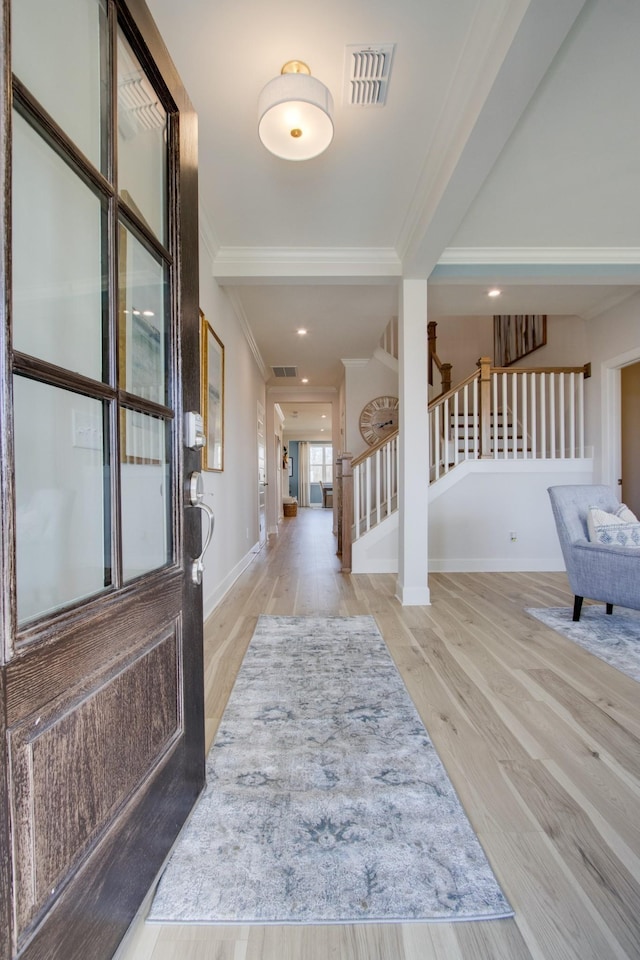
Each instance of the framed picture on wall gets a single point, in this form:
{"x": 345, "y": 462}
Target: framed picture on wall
{"x": 212, "y": 380}
{"x": 516, "y": 336}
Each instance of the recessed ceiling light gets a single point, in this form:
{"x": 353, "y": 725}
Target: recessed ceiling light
{"x": 323, "y": 417}
{"x": 148, "y": 313}
{"x": 494, "y": 293}
{"x": 301, "y": 332}
{"x": 305, "y": 380}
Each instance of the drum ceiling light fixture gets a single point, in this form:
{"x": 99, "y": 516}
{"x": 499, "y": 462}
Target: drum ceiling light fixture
{"x": 295, "y": 114}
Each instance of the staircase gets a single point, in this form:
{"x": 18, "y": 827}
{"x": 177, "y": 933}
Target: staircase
{"x": 499, "y": 414}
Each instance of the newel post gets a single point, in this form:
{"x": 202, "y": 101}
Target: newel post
{"x": 485, "y": 406}
{"x": 346, "y": 512}
{"x": 337, "y": 486}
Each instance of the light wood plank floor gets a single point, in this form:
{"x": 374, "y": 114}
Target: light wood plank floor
{"x": 541, "y": 740}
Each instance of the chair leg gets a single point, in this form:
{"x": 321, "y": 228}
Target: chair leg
{"x": 609, "y": 608}
{"x": 577, "y": 607}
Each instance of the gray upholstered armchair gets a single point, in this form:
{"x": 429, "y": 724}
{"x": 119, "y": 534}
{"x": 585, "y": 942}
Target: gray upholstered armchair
{"x": 610, "y": 574}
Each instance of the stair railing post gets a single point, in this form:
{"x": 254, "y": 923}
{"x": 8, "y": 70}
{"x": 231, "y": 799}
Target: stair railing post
{"x": 338, "y": 494}
{"x": 347, "y": 511}
{"x": 485, "y": 406}
{"x": 445, "y": 372}
{"x": 431, "y": 344}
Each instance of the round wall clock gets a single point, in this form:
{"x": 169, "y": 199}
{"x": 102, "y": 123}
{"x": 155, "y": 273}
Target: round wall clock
{"x": 379, "y": 418}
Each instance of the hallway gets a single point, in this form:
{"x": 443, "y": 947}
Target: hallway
{"x": 540, "y": 739}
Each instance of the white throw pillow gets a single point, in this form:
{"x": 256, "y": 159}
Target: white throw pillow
{"x": 627, "y": 516}
{"x": 611, "y": 530}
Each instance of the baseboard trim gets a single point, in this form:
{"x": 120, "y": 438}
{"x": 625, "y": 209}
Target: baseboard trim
{"x": 211, "y": 601}
{"x": 499, "y": 565}
{"x": 413, "y": 596}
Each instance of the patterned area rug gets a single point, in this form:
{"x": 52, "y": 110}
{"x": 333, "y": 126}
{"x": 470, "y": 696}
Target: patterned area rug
{"x": 325, "y": 801}
{"x": 614, "y": 638}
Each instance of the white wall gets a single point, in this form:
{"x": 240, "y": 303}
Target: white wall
{"x": 471, "y": 521}
{"x": 472, "y": 513}
{"x": 233, "y": 494}
{"x": 463, "y": 340}
{"x": 364, "y": 382}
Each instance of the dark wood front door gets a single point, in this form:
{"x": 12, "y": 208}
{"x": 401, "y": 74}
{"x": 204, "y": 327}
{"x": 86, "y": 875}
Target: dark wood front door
{"x": 101, "y": 745}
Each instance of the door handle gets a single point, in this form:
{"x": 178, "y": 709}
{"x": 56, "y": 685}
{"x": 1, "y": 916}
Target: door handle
{"x": 196, "y": 499}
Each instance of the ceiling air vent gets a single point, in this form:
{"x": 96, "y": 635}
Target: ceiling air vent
{"x": 285, "y": 371}
{"x": 366, "y": 74}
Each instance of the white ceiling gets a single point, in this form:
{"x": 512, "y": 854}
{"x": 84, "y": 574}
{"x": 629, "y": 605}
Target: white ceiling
{"x": 307, "y": 421}
{"x": 507, "y": 154}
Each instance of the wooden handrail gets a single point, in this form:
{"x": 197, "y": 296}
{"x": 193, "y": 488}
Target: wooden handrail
{"x": 540, "y": 369}
{"x": 377, "y": 446}
{"x": 451, "y": 393}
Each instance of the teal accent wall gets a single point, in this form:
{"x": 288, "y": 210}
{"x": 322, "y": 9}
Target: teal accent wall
{"x": 316, "y": 492}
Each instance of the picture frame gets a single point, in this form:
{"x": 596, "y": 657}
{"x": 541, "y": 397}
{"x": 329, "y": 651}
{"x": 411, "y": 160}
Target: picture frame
{"x": 212, "y": 400}
{"x": 515, "y": 336}
{"x": 290, "y": 467}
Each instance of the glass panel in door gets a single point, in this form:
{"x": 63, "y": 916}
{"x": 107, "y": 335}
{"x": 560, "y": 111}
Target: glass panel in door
{"x": 62, "y": 482}
{"x": 142, "y": 143}
{"x": 59, "y": 276}
{"x": 65, "y": 40}
{"x": 145, "y": 493}
{"x": 143, "y": 285}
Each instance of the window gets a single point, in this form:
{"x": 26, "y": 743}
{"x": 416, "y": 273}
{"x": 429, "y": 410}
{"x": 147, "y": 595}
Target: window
{"x": 320, "y": 463}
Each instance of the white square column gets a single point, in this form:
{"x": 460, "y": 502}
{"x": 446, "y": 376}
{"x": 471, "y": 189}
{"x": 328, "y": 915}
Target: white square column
{"x": 412, "y": 588}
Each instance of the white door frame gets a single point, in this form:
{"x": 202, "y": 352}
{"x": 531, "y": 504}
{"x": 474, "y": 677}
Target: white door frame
{"x": 262, "y": 475}
{"x": 611, "y": 431}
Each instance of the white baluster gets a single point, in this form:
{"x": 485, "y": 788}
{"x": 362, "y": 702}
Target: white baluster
{"x": 494, "y": 418}
{"x": 525, "y": 418}
{"x": 552, "y": 416}
{"x": 581, "y": 414}
{"x": 505, "y": 417}
{"x": 534, "y": 438}
{"x": 562, "y": 404}
{"x": 476, "y": 421}
{"x": 572, "y": 415}
{"x": 446, "y": 426}
{"x": 514, "y": 415}
{"x": 378, "y": 469}
{"x": 367, "y": 494}
{"x": 467, "y": 425}
{"x": 456, "y": 426}
{"x": 544, "y": 387}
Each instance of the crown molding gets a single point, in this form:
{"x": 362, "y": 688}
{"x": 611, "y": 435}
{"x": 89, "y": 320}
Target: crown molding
{"x": 561, "y": 256}
{"x": 264, "y": 264}
{"x": 239, "y": 311}
{"x": 354, "y": 363}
